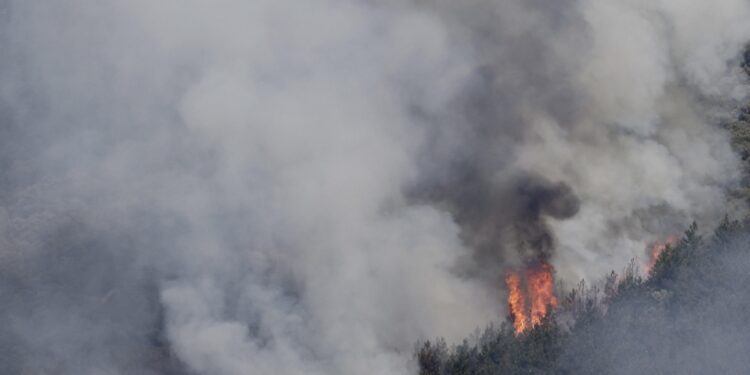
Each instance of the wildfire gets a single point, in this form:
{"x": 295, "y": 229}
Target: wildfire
{"x": 540, "y": 286}
{"x": 539, "y": 292}
{"x": 516, "y": 302}
{"x": 657, "y": 249}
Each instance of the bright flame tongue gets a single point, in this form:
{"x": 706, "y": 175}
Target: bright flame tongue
{"x": 539, "y": 291}
{"x": 516, "y": 302}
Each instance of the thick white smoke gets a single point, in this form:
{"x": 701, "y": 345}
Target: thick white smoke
{"x": 241, "y": 184}
{"x": 648, "y": 156}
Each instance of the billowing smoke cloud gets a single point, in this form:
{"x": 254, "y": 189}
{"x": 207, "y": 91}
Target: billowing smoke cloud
{"x": 616, "y": 101}
{"x": 235, "y": 187}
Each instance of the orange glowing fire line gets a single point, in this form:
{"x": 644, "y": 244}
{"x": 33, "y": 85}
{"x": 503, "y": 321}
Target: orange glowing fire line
{"x": 539, "y": 291}
{"x": 516, "y": 302}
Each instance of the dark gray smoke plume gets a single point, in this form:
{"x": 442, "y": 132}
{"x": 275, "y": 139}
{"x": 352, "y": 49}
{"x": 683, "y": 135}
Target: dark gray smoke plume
{"x": 308, "y": 187}
{"x": 504, "y": 221}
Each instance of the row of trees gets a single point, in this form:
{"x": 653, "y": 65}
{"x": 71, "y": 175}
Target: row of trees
{"x": 690, "y": 314}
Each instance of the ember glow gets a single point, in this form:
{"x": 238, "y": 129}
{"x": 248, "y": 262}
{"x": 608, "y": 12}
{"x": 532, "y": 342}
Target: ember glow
{"x": 656, "y": 249}
{"x": 539, "y": 291}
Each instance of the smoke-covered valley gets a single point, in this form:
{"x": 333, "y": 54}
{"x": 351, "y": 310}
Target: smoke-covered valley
{"x": 310, "y": 187}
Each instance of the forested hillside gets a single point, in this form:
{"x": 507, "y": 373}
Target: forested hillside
{"x": 318, "y": 187}
{"x": 688, "y": 314}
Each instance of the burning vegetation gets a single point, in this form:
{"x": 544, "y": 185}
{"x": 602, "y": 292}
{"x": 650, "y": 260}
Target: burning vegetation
{"x": 516, "y": 302}
{"x": 537, "y": 287}
{"x": 630, "y": 324}
{"x": 531, "y": 294}
{"x": 655, "y": 250}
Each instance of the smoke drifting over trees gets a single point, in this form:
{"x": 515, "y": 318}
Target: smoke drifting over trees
{"x": 309, "y": 187}
{"x": 688, "y": 316}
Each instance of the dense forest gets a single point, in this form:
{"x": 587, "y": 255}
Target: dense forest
{"x": 688, "y": 314}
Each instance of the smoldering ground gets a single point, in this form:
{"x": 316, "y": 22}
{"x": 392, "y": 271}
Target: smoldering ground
{"x": 288, "y": 187}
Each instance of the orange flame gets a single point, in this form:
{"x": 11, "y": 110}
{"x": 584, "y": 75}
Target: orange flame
{"x": 516, "y": 302}
{"x": 656, "y": 250}
{"x": 539, "y": 291}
